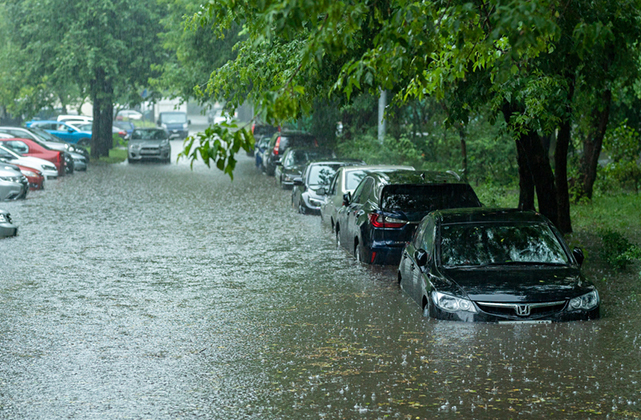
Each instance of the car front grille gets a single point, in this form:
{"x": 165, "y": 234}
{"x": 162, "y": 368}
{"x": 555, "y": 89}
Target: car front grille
{"x": 522, "y": 310}
{"x": 148, "y": 151}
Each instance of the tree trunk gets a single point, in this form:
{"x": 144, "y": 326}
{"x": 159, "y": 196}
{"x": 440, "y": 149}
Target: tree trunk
{"x": 542, "y": 174}
{"x": 102, "y": 97}
{"x": 592, "y": 145}
{"x": 561, "y": 177}
{"x": 526, "y": 181}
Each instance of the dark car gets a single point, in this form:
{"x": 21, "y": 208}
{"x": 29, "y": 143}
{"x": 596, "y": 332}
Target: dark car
{"x": 381, "y": 217}
{"x": 258, "y": 131}
{"x": 279, "y": 144}
{"x": 261, "y": 146}
{"x": 495, "y": 265}
{"x": 149, "y": 144}
{"x": 294, "y": 160}
{"x": 309, "y": 190}
{"x": 175, "y": 122}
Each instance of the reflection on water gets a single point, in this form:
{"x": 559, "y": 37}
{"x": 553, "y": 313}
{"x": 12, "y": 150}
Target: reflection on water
{"x": 150, "y": 291}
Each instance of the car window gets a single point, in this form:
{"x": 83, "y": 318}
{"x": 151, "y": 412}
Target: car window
{"x": 482, "y": 244}
{"x": 352, "y": 179}
{"x": 362, "y": 191}
{"x": 18, "y": 146}
{"x": 288, "y": 161}
{"x": 409, "y": 197}
{"x": 320, "y": 175}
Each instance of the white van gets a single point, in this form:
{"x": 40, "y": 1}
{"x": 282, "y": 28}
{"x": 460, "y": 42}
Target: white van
{"x": 82, "y": 118}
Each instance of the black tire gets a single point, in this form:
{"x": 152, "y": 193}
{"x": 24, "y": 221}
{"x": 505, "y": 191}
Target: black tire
{"x": 338, "y": 238}
{"x": 131, "y": 161}
{"x": 302, "y": 209}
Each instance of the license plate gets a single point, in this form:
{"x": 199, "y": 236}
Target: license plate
{"x": 526, "y": 322}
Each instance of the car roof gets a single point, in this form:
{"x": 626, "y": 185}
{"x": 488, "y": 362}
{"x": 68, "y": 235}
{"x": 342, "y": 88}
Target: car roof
{"x": 416, "y": 177}
{"x": 485, "y": 215}
{"x": 374, "y": 168}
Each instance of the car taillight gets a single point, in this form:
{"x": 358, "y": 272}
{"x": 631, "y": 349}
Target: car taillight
{"x": 276, "y": 146}
{"x": 253, "y": 127}
{"x": 379, "y": 221}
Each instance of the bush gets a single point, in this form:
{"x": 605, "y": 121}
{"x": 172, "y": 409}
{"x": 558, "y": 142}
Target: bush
{"x": 618, "y": 251}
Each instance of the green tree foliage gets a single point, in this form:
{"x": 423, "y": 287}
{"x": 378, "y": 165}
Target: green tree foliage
{"x": 104, "y": 48}
{"x": 541, "y": 65}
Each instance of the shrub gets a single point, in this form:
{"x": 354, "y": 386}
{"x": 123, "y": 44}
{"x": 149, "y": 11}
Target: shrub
{"x": 618, "y": 251}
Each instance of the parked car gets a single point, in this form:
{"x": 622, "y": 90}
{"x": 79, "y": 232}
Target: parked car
{"x": 495, "y": 265}
{"x": 149, "y": 144}
{"x": 47, "y": 168}
{"x": 7, "y": 227}
{"x": 66, "y": 118}
{"x": 294, "y": 160}
{"x": 27, "y": 147}
{"x": 345, "y": 182}
{"x": 386, "y": 207}
{"x": 175, "y": 122}
{"x": 34, "y": 176}
{"x": 46, "y": 138}
{"x": 13, "y": 185}
{"x": 88, "y": 127}
{"x": 73, "y": 161}
{"x": 259, "y": 130}
{"x": 129, "y": 114}
{"x": 64, "y": 131}
{"x": 279, "y": 144}
{"x": 126, "y": 126}
{"x": 261, "y": 147}
{"x": 308, "y": 193}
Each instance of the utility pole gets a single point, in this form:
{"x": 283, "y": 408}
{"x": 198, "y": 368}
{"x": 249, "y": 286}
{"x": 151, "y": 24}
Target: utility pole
{"x": 382, "y": 103}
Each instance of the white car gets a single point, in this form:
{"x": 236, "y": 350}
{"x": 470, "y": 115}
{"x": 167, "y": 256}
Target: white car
{"x": 47, "y": 168}
{"x": 129, "y": 113}
{"x": 83, "y": 118}
{"x": 345, "y": 181}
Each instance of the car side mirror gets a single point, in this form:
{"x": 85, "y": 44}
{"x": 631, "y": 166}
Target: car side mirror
{"x": 69, "y": 130}
{"x": 578, "y": 255}
{"x": 321, "y": 191}
{"x": 421, "y": 256}
{"x": 347, "y": 198}
{"x": 298, "y": 182}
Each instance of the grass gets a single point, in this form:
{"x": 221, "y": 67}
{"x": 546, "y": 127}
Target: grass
{"x": 116, "y": 155}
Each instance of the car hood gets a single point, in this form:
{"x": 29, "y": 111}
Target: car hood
{"x": 519, "y": 284}
{"x": 32, "y": 162}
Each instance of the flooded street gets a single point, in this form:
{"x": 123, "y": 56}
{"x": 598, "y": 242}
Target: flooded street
{"x": 156, "y": 292}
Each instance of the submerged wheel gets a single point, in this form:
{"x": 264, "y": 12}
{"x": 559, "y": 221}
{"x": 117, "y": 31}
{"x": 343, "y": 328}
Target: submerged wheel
{"x": 427, "y": 306}
{"x": 358, "y": 253}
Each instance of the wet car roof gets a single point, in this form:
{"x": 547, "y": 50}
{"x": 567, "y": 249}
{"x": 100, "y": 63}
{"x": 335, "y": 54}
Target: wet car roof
{"x": 483, "y": 214}
{"x": 416, "y": 177}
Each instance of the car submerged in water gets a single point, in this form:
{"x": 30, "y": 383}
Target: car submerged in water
{"x": 495, "y": 265}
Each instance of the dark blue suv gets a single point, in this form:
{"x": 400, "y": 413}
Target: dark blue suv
{"x": 381, "y": 216}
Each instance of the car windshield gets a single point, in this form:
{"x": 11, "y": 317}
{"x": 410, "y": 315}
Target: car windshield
{"x": 45, "y": 135}
{"x": 148, "y": 135}
{"x": 84, "y": 126}
{"x": 321, "y": 175}
{"x": 409, "y": 197}
{"x": 173, "y": 117}
{"x": 468, "y": 244}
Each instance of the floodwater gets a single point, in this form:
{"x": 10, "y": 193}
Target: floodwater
{"x": 156, "y": 292}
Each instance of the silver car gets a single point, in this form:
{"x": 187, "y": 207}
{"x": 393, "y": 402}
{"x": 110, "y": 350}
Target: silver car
{"x": 13, "y": 185}
{"x": 149, "y": 144}
{"x": 7, "y": 228}
{"x": 345, "y": 181}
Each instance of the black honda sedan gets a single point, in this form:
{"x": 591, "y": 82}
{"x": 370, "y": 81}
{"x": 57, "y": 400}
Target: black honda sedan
{"x": 381, "y": 217}
{"x": 495, "y": 265}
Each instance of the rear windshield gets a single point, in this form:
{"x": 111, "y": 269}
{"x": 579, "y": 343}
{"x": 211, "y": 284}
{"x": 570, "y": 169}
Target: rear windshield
{"x": 297, "y": 141}
{"x": 428, "y": 197}
{"x": 173, "y": 117}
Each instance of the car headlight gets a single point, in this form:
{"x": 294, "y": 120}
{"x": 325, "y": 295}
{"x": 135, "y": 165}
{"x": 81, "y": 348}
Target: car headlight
{"x": 48, "y": 168}
{"x": 163, "y": 125}
{"x": 29, "y": 173}
{"x": 6, "y": 178}
{"x": 314, "y": 202}
{"x": 3, "y": 219}
{"x": 451, "y": 303}
{"x": 134, "y": 146}
{"x": 185, "y": 125}
{"x": 586, "y": 302}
